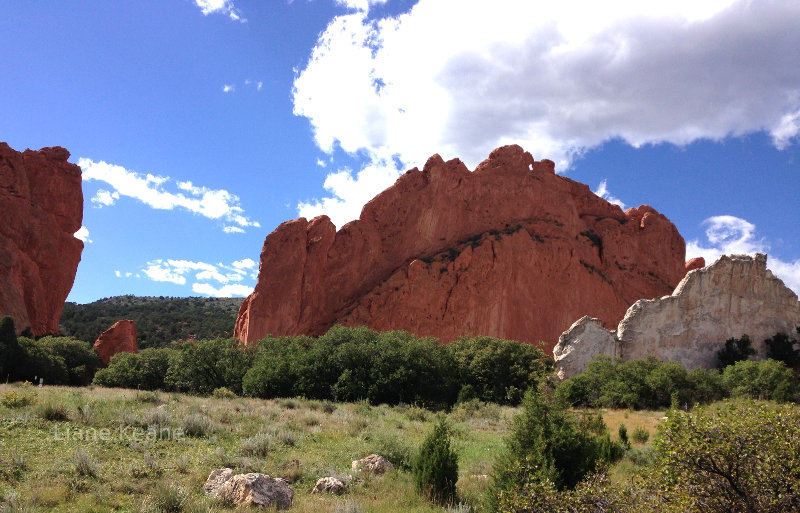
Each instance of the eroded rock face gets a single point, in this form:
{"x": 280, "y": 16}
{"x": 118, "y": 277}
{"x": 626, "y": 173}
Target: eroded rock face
{"x": 41, "y": 207}
{"x": 511, "y": 250}
{"x": 736, "y": 295}
{"x": 119, "y": 338}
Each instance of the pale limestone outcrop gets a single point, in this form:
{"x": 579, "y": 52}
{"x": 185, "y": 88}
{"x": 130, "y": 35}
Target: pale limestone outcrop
{"x": 736, "y": 295}
{"x": 586, "y": 338}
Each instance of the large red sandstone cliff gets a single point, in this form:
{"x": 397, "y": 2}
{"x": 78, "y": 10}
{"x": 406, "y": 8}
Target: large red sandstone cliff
{"x": 510, "y": 250}
{"x": 41, "y": 207}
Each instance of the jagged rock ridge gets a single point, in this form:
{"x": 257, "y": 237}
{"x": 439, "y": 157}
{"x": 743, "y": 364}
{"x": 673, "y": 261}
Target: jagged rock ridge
{"x": 510, "y": 250}
{"x": 736, "y": 295}
{"x": 41, "y": 207}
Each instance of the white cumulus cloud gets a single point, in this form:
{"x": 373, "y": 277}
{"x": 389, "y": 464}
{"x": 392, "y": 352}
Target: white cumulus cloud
{"x": 83, "y": 234}
{"x": 731, "y": 235}
{"x": 225, "y": 7}
{"x": 360, "y": 5}
{"x": 603, "y": 192}
{"x": 225, "y": 291}
{"x": 218, "y": 280}
{"x": 217, "y": 204}
{"x": 350, "y": 192}
{"x": 461, "y": 77}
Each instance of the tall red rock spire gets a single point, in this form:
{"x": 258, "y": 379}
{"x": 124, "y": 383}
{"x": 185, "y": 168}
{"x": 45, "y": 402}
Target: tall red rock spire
{"x": 41, "y": 207}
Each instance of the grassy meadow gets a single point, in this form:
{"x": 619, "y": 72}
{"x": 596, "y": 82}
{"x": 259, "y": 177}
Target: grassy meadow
{"x": 98, "y": 449}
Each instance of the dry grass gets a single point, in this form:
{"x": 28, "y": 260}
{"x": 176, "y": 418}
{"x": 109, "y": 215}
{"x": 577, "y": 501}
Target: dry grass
{"x": 123, "y": 474}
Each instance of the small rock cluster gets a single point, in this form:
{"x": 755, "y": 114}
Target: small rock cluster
{"x": 261, "y": 490}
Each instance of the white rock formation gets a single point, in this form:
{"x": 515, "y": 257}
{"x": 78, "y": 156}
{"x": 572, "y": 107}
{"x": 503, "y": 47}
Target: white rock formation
{"x": 252, "y": 489}
{"x": 373, "y": 464}
{"x": 736, "y": 295}
{"x": 331, "y": 485}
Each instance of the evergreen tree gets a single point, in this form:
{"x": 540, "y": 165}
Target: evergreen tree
{"x": 436, "y": 465}
{"x": 11, "y": 354}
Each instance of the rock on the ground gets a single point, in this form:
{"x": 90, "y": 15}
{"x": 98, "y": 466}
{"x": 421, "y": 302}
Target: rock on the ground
{"x": 119, "y": 338}
{"x": 216, "y": 479}
{"x": 511, "y": 250}
{"x": 251, "y": 489}
{"x": 373, "y": 464}
{"x": 41, "y": 208}
{"x": 734, "y": 296}
{"x": 329, "y": 484}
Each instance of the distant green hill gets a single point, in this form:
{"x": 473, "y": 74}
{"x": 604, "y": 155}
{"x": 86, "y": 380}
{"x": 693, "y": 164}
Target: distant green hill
{"x": 159, "y": 320}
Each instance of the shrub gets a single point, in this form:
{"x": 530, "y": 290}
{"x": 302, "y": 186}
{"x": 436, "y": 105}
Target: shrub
{"x": 733, "y": 456}
{"x": 622, "y": 432}
{"x": 735, "y": 350}
{"x": 168, "y": 498}
{"x": 640, "y": 435}
{"x": 258, "y": 445}
{"x": 545, "y": 444}
{"x": 12, "y": 399}
{"x": 196, "y": 425}
{"x": 84, "y": 466}
{"x": 223, "y": 393}
{"x": 435, "y": 468}
{"x": 54, "y": 412}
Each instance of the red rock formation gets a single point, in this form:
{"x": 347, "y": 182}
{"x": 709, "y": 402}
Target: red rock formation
{"x": 510, "y": 250}
{"x": 119, "y": 338}
{"x": 41, "y": 207}
{"x": 695, "y": 263}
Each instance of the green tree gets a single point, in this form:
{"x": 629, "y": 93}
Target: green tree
{"x": 735, "y": 350}
{"x": 767, "y": 379}
{"x": 144, "y": 370}
{"x": 435, "y": 468}
{"x": 496, "y": 370}
{"x": 780, "y": 347}
{"x": 545, "y": 444}
{"x": 11, "y": 354}
{"x": 202, "y": 366}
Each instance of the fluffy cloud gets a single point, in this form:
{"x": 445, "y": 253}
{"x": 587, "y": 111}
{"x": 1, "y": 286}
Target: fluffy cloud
{"x": 224, "y": 291}
{"x": 219, "y": 6}
{"x": 350, "y": 193}
{"x": 218, "y": 280}
{"x": 150, "y": 190}
{"x": 83, "y": 234}
{"x": 730, "y": 235}
{"x": 228, "y": 88}
{"x": 603, "y": 192}
{"x": 537, "y": 74}
{"x": 360, "y": 5}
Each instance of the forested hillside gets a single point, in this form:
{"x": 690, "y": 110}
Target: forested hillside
{"x": 159, "y": 320}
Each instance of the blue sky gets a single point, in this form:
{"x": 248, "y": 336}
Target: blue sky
{"x": 201, "y": 125}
